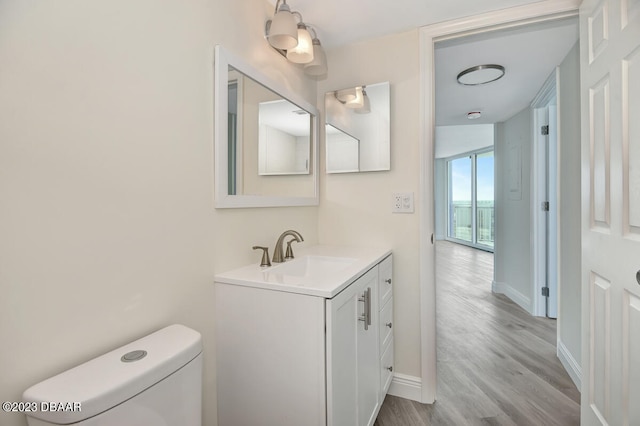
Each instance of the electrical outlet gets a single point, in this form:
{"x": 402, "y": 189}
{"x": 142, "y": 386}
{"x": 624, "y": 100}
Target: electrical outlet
{"x": 402, "y": 202}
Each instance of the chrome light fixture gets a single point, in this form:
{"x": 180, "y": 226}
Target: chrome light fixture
{"x": 293, "y": 40}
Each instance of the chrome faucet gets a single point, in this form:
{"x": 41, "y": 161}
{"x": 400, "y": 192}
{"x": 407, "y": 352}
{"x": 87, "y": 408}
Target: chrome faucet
{"x": 277, "y": 253}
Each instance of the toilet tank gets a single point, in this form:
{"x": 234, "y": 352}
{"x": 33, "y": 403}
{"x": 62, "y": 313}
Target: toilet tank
{"x": 154, "y": 381}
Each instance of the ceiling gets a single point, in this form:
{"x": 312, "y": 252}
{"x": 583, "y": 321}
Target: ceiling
{"x": 341, "y": 22}
{"x": 529, "y": 55}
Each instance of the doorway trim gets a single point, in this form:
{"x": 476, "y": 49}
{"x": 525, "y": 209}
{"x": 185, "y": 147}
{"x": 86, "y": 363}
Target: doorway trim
{"x": 544, "y": 252}
{"x": 536, "y": 12}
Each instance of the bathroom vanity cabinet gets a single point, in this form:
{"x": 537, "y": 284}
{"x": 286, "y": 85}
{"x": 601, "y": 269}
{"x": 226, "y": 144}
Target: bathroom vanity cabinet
{"x": 301, "y": 351}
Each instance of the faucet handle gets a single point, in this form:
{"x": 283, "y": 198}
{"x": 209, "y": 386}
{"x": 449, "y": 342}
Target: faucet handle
{"x": 289, "y": 253}
{"x": 265, "y": 255}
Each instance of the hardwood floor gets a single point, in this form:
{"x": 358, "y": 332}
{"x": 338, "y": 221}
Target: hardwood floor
{"x": 497, "y": 365}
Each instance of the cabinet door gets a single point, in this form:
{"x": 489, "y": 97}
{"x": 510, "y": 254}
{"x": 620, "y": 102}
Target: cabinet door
{"x": 369, "y": 356}
{"x": 270, "y": 356}
{"x": 353, "y": 377}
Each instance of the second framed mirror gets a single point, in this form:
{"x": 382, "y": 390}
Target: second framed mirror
{"x": 358, "y": 129}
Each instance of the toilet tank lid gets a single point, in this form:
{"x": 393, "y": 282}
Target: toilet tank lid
{"x": 107, "y": 380}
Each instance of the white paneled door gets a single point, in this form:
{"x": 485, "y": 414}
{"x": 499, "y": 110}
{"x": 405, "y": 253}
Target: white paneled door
{"x": 610, "y": 80}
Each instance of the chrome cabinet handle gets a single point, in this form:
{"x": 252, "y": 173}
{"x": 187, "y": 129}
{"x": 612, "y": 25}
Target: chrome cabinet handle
{"x": 369, "y": 305}
{"x": 388, "y": 281}
{"x": 366, "y": 316}
{"x": 390, "y": 325}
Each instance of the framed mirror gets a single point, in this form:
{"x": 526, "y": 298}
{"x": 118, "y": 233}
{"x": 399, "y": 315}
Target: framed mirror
{"x": 358, "y": 129}
{"x": 265, "y": 139}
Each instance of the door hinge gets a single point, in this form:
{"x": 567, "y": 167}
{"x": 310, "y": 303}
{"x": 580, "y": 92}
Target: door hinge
{"x": 545, "y": 291}
{"x": 544, "y": 130}
{"x": 545, "y": 206}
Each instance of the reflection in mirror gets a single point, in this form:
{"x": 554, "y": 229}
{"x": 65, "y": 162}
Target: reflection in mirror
{"x": 235, "y": 169}
{"x": 358, "y": 117}
{"x": 265, "y": 140}
{"x": 284, "y": 138}
{"x": 343, "y": 151}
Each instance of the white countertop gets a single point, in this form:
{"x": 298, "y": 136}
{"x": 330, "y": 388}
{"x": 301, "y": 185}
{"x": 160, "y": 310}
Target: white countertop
{"x": 325, "y": 283}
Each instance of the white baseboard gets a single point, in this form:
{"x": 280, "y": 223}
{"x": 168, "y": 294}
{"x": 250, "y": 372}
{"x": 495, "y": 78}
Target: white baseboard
{"x": 404, "y": 386}
{"x": 570, "y": 364}
{"x": 520, "y": 299}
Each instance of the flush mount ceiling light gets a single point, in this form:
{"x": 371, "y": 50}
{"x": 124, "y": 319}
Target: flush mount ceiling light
{"x": 293, "y": 40}
{"x": 480, "y": 74}
{"x": 473, "y": 115}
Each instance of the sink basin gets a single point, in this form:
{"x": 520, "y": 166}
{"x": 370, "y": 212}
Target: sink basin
{"x": 322, "y": 271}
{"x": 312, "y": 266}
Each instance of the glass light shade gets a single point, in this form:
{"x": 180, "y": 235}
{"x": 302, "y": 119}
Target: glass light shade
{"x": 283, "y": 32}
{"x": 319, "y": 64}
{"x": 345, "y": 95}
{"x": 358, "y": 102}
{"x": 303, "y": 52}
{"x": 366, "y": 104}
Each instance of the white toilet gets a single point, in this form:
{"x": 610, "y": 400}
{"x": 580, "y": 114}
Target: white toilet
{"x": 154, "y": 381}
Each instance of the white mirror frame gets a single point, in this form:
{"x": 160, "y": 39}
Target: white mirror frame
{"x": 224, "y": 59}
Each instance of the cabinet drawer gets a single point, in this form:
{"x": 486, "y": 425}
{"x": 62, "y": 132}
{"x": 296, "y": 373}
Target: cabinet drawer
{"x": 385, "y": 280}
{"x": 386, "y": 325}
{"x": 386, "y": 364}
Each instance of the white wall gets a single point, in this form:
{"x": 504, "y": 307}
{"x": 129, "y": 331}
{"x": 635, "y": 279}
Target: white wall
{"x": 106, "y": 211}
{"x": 356, "y": 208}
{"x": 569, "y": 331}
{"x": 277, "y": 153}
{"x": 512, "y": 269}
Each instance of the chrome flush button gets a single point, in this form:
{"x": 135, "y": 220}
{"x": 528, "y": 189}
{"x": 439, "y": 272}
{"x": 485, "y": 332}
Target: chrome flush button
{"x": 133, "y": 356}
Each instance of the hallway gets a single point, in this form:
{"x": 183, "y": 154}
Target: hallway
{"x": 497, "y": 365}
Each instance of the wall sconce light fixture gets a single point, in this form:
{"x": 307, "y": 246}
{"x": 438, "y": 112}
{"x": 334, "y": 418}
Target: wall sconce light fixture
{"x": 293, "y": 40}
{"x": 355, "y": 99}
